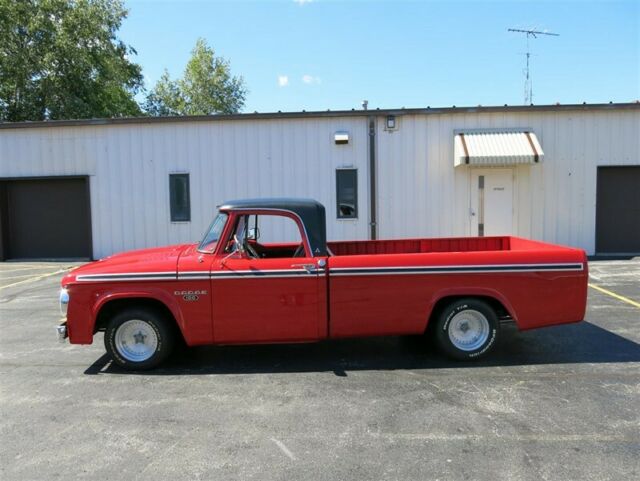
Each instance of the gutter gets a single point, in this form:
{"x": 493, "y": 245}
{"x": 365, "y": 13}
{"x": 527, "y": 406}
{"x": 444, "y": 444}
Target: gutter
{"x": 373, "y": 213}
{"x": 634, "y": 106}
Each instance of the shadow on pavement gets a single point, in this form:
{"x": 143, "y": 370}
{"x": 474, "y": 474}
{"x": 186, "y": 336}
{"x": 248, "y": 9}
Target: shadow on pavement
{"x": 575, "y": 343}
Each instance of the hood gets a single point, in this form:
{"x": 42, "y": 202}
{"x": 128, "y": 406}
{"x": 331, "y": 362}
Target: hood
{"x": 143, "y": 261}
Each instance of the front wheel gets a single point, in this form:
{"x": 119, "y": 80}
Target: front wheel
{"x": 139, "y": 338}
{"x": 467, "y": 329}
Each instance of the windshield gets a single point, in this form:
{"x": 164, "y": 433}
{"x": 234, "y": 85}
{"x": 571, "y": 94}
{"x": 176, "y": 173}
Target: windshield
{"x": 210, "y": 240}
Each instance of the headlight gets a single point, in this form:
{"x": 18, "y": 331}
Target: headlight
{"x": 64, "y": 301}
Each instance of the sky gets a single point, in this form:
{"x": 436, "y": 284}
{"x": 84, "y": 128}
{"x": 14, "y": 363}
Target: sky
{"x": 321, "y": 54}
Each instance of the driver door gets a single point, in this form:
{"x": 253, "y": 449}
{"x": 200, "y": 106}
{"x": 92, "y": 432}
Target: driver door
{"x": 275, "y": 291}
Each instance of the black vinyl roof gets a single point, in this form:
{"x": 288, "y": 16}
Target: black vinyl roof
{"x": 311, "y": 213}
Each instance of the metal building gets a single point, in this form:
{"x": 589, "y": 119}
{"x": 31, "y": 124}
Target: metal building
{"x": 568, "y": 174}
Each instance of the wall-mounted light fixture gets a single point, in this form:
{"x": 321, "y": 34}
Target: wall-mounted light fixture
{"x": 341, "y": 138}
{"x": 391, "y": 122}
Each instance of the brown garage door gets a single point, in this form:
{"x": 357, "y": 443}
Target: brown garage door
{"x": 46, "y": 218}
{"x": 618, "y": 210}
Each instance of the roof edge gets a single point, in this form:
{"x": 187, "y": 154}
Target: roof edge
{"x": 322, "y": 113}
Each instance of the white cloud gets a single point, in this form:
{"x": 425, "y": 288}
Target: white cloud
{"x": 302, "y": 2}
{"x": 310, "y": 79}
{"x": 283, "y": 80}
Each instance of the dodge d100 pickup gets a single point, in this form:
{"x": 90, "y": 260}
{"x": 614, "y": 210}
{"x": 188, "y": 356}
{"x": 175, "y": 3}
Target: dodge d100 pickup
{"x": 265, "y": 273}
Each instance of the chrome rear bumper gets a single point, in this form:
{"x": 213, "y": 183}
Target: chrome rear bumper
{"x": 62, "y": 331}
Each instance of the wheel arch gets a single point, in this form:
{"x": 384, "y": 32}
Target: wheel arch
{"x": 497, "y": 301}
{"x": 106, "y": 307}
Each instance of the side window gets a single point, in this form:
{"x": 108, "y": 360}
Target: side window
{"x": 347, "y": 193}
{"x": 270, "y": 236}
{"x": 179, "y": 197}
{"x": 277, "y": 229}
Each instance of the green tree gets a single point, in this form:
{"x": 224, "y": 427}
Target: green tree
{"x": 61, "y": 59}
{"x": 206, "y": 88}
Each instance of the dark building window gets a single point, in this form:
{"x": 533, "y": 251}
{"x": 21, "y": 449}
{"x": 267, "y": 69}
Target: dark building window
{"x": 347, "y": 193}
{"x": 179, "y": 197}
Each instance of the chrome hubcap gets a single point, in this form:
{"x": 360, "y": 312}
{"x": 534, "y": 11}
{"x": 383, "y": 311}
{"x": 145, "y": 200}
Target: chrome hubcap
{"x": 469, "y": 330}
{"x": 136, "y": 340}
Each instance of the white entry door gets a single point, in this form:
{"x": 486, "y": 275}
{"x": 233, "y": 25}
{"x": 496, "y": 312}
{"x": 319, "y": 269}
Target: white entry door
{"x": 491, "y": 209}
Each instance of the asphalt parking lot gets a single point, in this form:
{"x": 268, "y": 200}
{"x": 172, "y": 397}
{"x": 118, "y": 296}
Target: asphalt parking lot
{"x": 558, "y": 403}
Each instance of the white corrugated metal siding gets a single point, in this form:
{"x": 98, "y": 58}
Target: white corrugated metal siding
{"x": 420, "y": 192}
{"x": 129, "y": 167}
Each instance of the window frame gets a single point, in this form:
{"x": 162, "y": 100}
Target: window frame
{"x": 173, "y": 201}
{"x": 239, "y": 212}
{"x": 339, "y": 215}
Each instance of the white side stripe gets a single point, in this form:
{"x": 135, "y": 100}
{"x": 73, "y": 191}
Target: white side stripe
{"x": 339, "y": 271}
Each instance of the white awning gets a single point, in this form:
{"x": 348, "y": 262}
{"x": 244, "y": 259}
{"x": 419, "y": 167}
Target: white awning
{"x": 497, "y": 148}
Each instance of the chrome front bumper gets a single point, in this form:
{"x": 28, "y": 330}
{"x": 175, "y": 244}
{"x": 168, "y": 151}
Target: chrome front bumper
{"x": 62, "y": 331}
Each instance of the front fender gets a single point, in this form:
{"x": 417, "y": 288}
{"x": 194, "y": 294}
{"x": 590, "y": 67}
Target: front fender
{"x": 87, "y": 301}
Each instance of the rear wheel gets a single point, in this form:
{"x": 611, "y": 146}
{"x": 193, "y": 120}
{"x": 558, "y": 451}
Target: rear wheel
{"x": 467, "y": 329}
{"x": 139, "y": 338}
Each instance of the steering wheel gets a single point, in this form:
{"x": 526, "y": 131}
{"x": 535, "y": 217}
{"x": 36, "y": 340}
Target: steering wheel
{"x": 299, "y": 251}
{"x": 251, "y": 251}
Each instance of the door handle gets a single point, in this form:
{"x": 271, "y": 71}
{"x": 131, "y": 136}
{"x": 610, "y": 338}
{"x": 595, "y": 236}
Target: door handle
{"x": 307, "y": 267}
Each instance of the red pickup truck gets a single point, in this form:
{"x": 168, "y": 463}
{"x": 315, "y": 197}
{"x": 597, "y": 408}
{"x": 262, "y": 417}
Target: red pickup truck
{"x": 264, "y": 273}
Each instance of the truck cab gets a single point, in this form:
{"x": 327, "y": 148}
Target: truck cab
{"x": 267, "y": 271}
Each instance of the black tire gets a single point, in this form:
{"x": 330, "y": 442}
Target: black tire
{"x": 153, "y": 322}
{"x": 445, "y": 338}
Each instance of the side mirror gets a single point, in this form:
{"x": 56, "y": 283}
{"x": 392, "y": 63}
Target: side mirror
{"x": 254, "y": 234}
{"x": 238, "y": 248}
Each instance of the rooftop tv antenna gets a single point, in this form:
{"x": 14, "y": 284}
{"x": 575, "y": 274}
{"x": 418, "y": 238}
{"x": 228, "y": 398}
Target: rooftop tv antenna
{"x": 528, "y": 87}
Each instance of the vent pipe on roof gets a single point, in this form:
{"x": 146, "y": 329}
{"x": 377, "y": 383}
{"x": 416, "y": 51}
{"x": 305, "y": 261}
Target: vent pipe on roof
{"x": 365, "y": 104}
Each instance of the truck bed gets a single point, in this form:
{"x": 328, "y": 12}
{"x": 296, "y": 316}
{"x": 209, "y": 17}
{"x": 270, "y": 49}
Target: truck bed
{"x": 445, "y": 244}
{"x": 388, "y": 285}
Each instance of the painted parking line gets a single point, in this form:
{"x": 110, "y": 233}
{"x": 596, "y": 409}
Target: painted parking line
{"x": 35, "y": 278}
{"x": 616, "y": 296}
{"x": 23, "y": 268}
{"x": 3, "y": 279}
